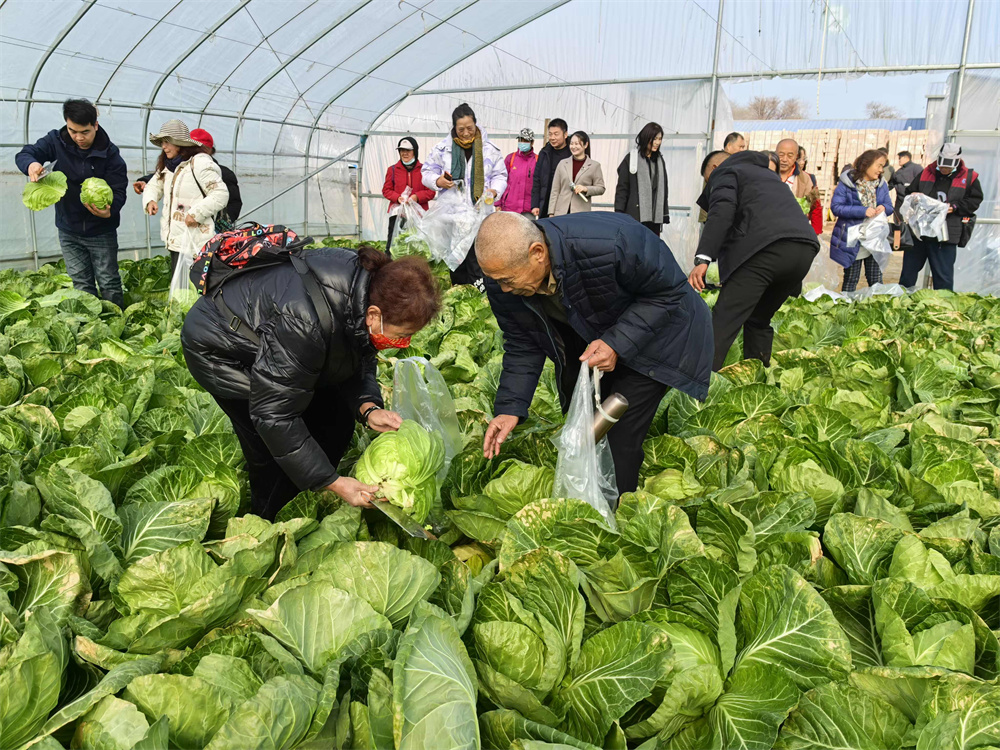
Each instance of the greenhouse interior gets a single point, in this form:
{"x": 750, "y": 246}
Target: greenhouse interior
{"x": 356, "y": 503}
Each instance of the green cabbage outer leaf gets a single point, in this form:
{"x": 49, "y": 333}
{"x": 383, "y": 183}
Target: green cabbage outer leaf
{"x": 44, "y": 193}
{"x": 97, "y": 192}
{"x": 404, "y": 464}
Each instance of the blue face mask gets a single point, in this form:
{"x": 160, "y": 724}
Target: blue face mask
{"x": 408, "y": 163}
{"x": 524, "y": 147}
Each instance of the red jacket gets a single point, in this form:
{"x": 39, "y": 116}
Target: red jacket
{"x": 396, "y": 180}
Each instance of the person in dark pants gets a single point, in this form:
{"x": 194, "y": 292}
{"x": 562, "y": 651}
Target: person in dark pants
{"x": 594, "y": 288}
{"x": 88, "y": 235}
{"x": 403, "y": 184}
{"x": 642, "y": 190}
{"x": 294, "y": 397}
{"x": 949, "y": 181}
{"x": 764, "y": 245}
{"x": 549, "y": 157}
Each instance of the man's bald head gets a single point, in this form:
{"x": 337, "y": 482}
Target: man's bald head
{"x": 788, "y": 154}
{"x": 511, "y": 249}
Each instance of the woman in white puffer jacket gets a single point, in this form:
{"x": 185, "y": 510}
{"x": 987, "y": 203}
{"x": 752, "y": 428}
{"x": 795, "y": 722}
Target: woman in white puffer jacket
{"x": 190, "y": 184}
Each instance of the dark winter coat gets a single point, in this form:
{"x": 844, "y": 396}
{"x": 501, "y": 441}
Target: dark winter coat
{"x": 627, "y": 189}
{"x": 545, "y": 169}
{"x": 846, "y": 205}
{"x": 749, "y": 208}
{"x": 617, "y": 282}
{"x": 102, "y": 160}
{"x": 901, "y": 180}
{"x": 295, "y": 357}
{"x": 964, "y": 193}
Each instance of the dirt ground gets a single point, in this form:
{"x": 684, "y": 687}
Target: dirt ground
{"x": 831, "y": 275}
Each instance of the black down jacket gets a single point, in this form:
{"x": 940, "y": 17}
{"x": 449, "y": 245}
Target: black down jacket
{"x": 619, "y": 282}
{"x": 749, "y": 208}
{"x": 295, "y": 357}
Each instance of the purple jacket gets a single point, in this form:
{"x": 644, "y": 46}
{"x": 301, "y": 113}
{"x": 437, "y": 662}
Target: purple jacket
{"x": 847, "y": 207}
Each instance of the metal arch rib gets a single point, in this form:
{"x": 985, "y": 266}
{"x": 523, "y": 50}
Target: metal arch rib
{"x": 190, "y": 51}
{"x": 450, "y": 64}
{"x": 88, "y": 4}
{"x": 382, "y": 62}
{"x": 277, "y": 71}
{"x": 135, "y": 46}
{"x": 262, "y": 42}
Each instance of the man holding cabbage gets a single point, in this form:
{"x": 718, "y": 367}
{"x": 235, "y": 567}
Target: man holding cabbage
{"x": 87, "y": 185}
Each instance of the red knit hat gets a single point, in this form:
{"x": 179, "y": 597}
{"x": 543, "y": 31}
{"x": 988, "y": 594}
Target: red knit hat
{"x": 203, "y": 137}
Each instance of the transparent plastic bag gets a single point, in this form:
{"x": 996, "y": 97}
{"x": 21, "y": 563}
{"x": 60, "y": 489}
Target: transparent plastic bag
{"x": 182, "y": 291}
{"x": 409, "y": 219}
{"x": 420, "y": 393}
{"x": 585, "y": 471}
{"x": 925, "y": 216}
{"x": 450, "y": 224}
{"x": 873, "y": 235}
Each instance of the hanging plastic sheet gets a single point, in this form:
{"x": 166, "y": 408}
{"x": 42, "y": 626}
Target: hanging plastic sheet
{"x": 926, "y": 217}
{"x": 450, "y": 224}
{"x": 585, "y": 470}
{"x": 873, "y": 235}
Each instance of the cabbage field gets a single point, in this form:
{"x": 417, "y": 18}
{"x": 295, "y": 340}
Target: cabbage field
{"x": 814, "y": 560}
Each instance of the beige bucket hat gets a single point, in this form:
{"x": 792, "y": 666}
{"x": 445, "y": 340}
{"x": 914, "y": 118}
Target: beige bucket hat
{"x": 175, "y": 132}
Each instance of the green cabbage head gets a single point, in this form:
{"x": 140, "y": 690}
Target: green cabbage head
{"x": 404, "y": 464}
{"x": 96, "y": 192}
{"x": 44, "y": 193}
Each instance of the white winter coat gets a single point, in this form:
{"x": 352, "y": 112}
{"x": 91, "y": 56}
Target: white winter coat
{"x": 439, "y": 162}
{"x": 182, "y": 196}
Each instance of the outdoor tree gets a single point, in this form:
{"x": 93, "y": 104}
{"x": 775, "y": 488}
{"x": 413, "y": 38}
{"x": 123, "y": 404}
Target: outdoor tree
{"x": 769, "y": 108}
{"x": 880, "y": 111}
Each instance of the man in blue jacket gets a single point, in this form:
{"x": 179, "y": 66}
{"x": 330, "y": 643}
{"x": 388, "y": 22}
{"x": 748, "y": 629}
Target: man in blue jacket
{"x": 88, "y": 235}
{"x": 598, "y": 288}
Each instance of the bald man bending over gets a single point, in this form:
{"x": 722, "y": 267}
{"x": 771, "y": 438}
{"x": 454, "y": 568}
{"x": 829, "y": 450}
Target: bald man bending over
{"x": 598, "y": 288}
{"x": 802, "y": 184}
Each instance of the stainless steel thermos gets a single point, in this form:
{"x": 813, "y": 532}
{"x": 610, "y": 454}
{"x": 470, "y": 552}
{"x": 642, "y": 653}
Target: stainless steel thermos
{"x": 614, "y": 406}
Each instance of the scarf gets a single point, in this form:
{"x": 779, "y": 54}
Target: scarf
{"x": 866, "y": 192}
{"x": 172, "y": 164}
{"x": 458, "y": 163}
{"x": 646, "y": 172}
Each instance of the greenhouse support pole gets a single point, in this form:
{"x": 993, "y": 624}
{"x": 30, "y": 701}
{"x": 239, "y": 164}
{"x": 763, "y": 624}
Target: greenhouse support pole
{"x": 956, "y": 107}
{"x": 330, "y": 163}
{"x": 713, "y": 107}
{"x": 360, "y": 175}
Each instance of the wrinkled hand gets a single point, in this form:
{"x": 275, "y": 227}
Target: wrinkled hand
{"x": 34, "y": 171}
{"x": 103, "y": 213}
{"x": 444, "y": 183}
{"x": 600, "y": 355}
{"x": 151, "y": 208}
{"x": 697, "y": 277}
{"x": 580, "y": 189}
{"x": 190, "y": 221}
{"x": 353, "y": 492}
{"x": 383, "y": 420}
{"x": 497, "y": 431}
{"x": 138, "y": 186}
{"x": 535, "y": 212}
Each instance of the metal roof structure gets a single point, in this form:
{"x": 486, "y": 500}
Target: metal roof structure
{"x": 297, "y": 92}
{"x": 905, "y": 123}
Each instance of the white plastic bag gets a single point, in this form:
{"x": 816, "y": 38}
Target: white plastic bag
{"x": 182, "y": 291}
{"x": 873, "y": 235}
{"x": 450, "y": 224}
{"x": 420, "y": 393}
{"x": 409, "y": 219}
{"x": 925, "y": 216}
{"x": 585, "y": 471}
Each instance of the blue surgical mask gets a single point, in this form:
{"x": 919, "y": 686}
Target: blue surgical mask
{"x": 408, "y": 163}
{"x": 524, "y": 147}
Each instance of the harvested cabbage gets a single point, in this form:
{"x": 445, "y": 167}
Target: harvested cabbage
{"x": 44, "y": 193}
{"x": 96, "y": 192}
{"x": 404, "y": 464}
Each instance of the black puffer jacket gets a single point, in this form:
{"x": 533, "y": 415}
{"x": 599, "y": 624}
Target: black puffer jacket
{"x": 620, "y": 283}
{"x": 295, "y": 357}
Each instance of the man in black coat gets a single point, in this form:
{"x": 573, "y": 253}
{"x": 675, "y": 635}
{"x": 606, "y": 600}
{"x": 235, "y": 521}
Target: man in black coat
{"x": 908, "y": 171}
{"x": 764, "y": 245}
{"x": 596, "y": 288}
{"x": 549, "y": 157}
